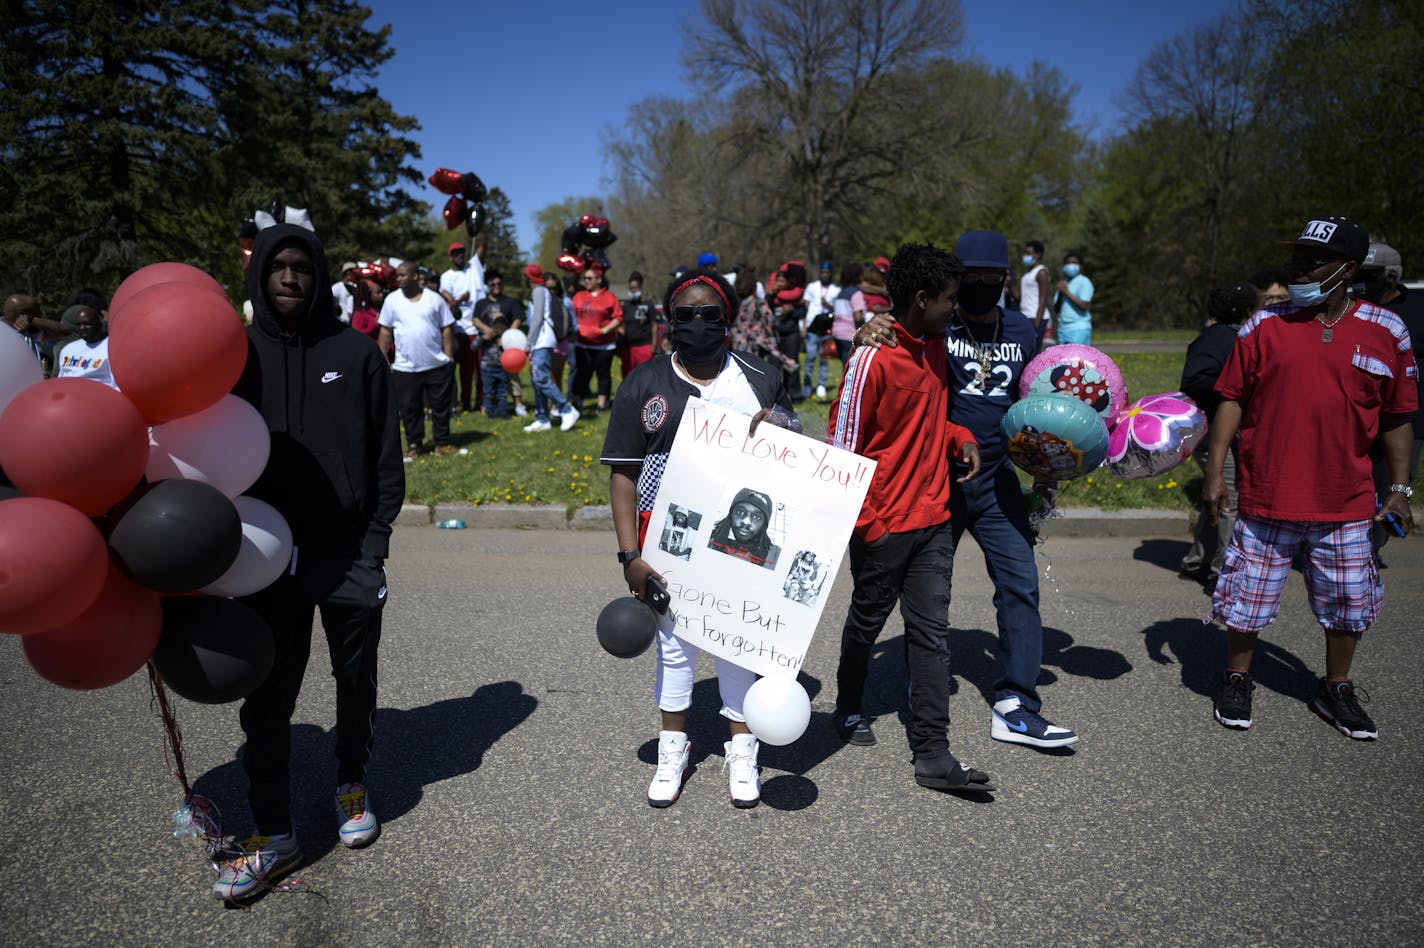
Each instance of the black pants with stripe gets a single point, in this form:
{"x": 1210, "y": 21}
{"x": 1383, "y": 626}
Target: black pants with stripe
{"x": 350, "y": 596}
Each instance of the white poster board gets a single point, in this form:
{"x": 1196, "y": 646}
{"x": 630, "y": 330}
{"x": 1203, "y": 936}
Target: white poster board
{"x": 750, "y": 531}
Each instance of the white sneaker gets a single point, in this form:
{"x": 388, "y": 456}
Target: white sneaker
{"x": 743, "y": 774}
{"x": 537, "y": 425}
{"x": 359, "y": 826}
{"x": 570, "y": 415}
{"x": 262, "y": 861}
{"x": 820, "y": 391}
{"x": 674, "y": 753}
{"x": 520, "y": 410}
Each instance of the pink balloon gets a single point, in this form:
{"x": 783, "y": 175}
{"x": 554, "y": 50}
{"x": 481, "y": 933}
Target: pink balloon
{"x": 1155, "y": 435}
{"x": 225, "y": 444}
{"x": 154, "y": 274}
{"x": 1083, "y": 372}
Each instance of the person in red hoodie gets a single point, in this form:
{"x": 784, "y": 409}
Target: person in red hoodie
{"x": 599, "y": 316}
{"x": 893, "y": 408}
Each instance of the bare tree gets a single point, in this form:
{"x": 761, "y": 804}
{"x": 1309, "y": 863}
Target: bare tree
{"x": 817, "y": 69}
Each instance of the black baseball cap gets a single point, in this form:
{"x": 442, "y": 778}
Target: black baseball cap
{"x": 1339, "y": 235}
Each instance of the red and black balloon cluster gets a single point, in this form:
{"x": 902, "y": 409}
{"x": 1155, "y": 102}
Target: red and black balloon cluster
{"x": 584, "y": 243}
{"x": 462, "y": 188}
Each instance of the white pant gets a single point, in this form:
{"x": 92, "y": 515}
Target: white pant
{"x": 677, "y": 659}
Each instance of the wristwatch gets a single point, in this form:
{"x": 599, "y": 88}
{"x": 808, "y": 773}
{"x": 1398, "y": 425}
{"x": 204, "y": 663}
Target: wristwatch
{"x": 627, "y": 556}
{"x": 1404, "y": 489}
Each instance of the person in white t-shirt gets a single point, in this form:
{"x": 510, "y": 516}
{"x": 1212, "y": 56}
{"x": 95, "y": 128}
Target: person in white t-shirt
{"x": 341, "y": 292}
{"x": 462, "y": 286}
{"x": 88, "y": 356}
{"x": 820, "y": 314}
{"x": 421, "y": 326}
{"x": 1034, "y": 292}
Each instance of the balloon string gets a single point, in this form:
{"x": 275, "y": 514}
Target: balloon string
{"x": 173, "y": 737}
{"x": 1048, "y": 574}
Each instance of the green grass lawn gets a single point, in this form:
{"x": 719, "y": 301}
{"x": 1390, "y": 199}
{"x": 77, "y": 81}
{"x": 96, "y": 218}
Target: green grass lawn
{"x": 506, "y": 465}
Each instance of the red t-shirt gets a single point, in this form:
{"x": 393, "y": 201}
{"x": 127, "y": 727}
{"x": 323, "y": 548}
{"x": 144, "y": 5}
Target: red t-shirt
{"x": 592, "y": 312}
{"x": 1311, "y": 409}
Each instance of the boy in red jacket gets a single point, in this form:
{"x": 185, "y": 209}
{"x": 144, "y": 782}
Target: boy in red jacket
{"x": 893, "y": 407}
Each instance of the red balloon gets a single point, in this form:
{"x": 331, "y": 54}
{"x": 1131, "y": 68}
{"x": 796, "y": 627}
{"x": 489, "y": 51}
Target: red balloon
{"x": 513, "y": 360}
{"x": 73, "y": 440}
{"x": 52, "y": 564}
{"x": 570, "y": 262}
{"x": 178, "y": 350}
{"x": 154, "y": 274}
{"x": 447, "y": 182}
{"x": 455, "y": 212}
{"x": 107, "y": 643}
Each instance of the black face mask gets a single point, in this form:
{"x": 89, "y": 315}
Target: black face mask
{"x": 977, "y": 297}
{"x": 1371, "y": 288}
{"x": 698, "y": 341}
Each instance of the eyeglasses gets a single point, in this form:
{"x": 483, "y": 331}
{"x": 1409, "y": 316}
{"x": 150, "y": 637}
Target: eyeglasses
{"x": 990, "y": 278}
{"x": 686, "y": 314}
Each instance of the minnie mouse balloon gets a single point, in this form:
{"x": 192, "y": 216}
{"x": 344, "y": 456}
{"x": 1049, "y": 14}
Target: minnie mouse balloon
{"x": 455, "y": 212}
{"x": 1082, "y": 372}
{"x": 446, "y": 181}
{"x": 1155, "y": 434}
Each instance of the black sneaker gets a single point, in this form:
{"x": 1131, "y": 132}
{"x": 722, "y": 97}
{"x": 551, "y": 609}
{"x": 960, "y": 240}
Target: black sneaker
{"x": 941, "y": 771}
{"x": 1338, "y": 702}
{"x": 853, "y": 729}
{"x": 1233, "y": 700}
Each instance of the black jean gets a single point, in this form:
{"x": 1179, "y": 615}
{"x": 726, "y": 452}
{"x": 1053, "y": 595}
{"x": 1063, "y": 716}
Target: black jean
{"x": 908, "y": 568}
{"x": 587, "y": 363}
{"x": 351, "y": 596}
{"x": 416, "y": 391}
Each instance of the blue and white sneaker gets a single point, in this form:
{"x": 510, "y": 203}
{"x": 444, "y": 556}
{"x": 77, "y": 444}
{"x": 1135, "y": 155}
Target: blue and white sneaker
{"x": 263, "y": 860}
{"x": 1014, "y": 725}
{"x": 359, "y": 826}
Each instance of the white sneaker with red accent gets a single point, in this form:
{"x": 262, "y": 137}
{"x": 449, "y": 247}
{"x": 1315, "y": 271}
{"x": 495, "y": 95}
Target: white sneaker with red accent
{"x": 674, "y": 755}
{"x": 743, "y": 774}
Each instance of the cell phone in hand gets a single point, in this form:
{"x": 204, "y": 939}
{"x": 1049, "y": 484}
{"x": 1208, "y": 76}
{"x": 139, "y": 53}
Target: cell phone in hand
{"x": 1391, "y": 521}
{"x": 657, "y": 595}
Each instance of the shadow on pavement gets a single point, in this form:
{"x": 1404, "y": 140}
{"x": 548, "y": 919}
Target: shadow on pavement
{"x": 413, "y": 749}
{"x": 1200, "y": 648}
{"x": 1167, "y": 554}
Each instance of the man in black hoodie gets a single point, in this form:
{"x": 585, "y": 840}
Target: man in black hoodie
{"x": 335, "y": 473}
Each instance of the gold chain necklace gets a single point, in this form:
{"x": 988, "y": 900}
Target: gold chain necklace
{"x": 982, "y": 351}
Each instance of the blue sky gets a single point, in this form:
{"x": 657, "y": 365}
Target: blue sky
{"x": 471, "y": 73}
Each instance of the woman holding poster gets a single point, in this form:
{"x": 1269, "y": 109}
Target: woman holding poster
{"x": 699, "y": 305}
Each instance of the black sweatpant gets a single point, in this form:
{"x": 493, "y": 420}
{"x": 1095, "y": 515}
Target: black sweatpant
{"x": 909, "y": 568}
{"x": 350, "y": 596}
{"x": 791, "y": 343}
{"x": 416, "y": 391}
{"x": 588, "y": 363}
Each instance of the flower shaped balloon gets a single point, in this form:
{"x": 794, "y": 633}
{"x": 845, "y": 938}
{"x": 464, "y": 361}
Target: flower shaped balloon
{"x": 1154, "y": 435}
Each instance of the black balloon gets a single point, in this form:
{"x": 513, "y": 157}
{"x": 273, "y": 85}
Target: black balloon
{"x": 176, "y": 535}
{"x": 598, "y": 235}
{"x": 213, "y": 650}
{"x": 473, "y": 187}
{"x": 573, "y": 237}
{"x": 626, "y": 627}
{"x": 476, "y": 221}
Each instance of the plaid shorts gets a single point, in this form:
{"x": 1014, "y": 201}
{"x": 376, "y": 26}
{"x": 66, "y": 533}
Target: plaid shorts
{"x": 1340, "y": 573}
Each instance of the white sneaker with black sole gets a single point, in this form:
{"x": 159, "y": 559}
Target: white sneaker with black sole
{"x": 743, "y": 774}
{"x": 674, "y": 756}
{"x": 1014, "y": 725}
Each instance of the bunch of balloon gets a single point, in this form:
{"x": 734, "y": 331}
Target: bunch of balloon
{"x": 122, "y": 497}
{"x": 584, "y": 244}
{"x": 514, "y": 358}
{"x": 462, "y": 188}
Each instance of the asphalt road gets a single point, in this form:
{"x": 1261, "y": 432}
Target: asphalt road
{"x": 513, "y": 756}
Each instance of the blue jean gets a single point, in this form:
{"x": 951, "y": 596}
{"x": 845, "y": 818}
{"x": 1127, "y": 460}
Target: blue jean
{"x": 814, "y": 342}
{"x": 991, "y": 509}
{"x": 1078, "y": 334}
{"x": 546, "y": 393}
{"x": 496, "y": 382}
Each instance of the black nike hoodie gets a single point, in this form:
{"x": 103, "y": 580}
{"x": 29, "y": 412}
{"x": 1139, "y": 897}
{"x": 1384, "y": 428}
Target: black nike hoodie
{"x": 335, "y": 471}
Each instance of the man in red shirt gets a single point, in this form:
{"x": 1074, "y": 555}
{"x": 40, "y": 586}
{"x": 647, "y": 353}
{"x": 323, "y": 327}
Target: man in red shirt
{"x": 1310, "y": 384}
{"x": 893, "y": 407}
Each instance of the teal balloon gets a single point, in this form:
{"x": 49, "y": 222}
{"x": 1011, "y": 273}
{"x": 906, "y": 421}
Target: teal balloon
{"x": 1055, "y": 437}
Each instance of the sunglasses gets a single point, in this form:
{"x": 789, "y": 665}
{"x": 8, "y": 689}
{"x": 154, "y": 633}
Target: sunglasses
{"x": 990, "y": 278}
{"x": 686, "y": 314}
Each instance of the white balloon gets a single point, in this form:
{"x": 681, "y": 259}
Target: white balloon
{"x": 777, "y": 710}
{"x": 265, "y": 553}
{"x": 18, "y": 366}
{"x": 225, "y": 445}
{"x": 513, "y": 339}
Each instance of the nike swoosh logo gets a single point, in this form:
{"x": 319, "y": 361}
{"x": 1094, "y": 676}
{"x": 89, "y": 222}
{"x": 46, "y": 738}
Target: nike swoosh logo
{"x": 1021, "y": 728}
{"x": 330, "y": 377}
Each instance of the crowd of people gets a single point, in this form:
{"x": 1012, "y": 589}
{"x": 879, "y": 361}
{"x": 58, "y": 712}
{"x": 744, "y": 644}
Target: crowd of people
{"x": 932, "y": 345}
